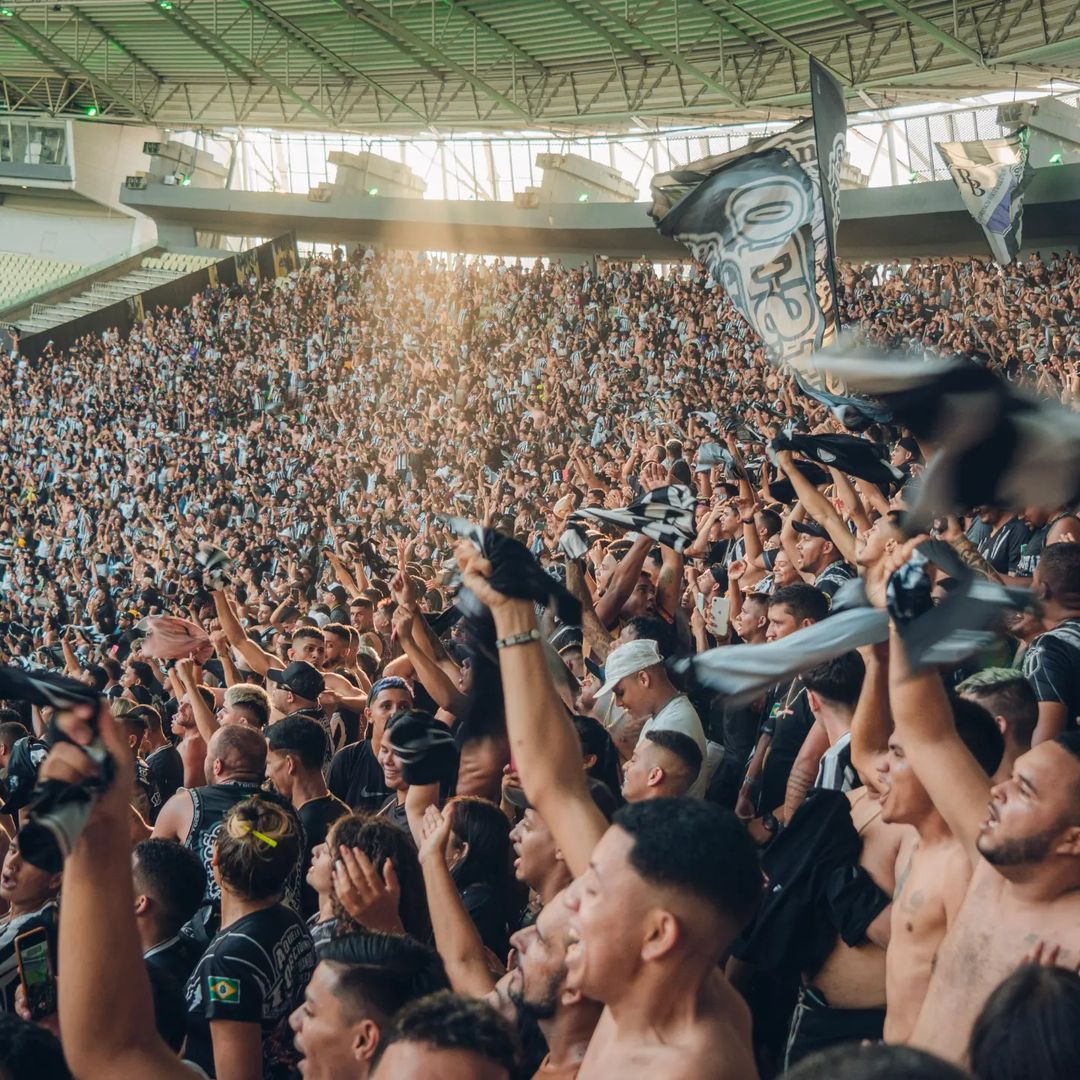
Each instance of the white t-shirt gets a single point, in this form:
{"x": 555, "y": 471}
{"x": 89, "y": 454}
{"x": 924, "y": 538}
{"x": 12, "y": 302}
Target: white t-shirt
{"x": 679, "y": 715}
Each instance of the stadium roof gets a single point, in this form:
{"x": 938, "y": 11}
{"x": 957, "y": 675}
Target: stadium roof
{"x": 512, "y": 65}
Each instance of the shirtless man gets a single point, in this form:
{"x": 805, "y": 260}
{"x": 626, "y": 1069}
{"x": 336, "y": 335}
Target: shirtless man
{"x": 1024, "y": 849}
{"x": 932, "y": 868}
{"x": 657, "y": 897}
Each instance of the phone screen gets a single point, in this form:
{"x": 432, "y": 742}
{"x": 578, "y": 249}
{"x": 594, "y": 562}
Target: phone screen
{"x": 35, "y": 972}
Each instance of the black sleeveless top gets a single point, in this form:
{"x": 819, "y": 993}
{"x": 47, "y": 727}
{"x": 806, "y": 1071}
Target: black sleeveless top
{"x": 211, "y": 804}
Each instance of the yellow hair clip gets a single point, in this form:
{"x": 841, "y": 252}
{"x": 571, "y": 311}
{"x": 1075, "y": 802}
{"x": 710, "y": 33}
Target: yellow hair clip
{"x": 268, "y": 840}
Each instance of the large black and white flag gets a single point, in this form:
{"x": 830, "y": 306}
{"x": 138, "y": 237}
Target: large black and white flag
{"x": 991, "y": 175}
{"x": 995, "y": 445}
{"x": 665, "y": 514}
{"x": 857, "y": 457}
{"x": 763, "y": 220}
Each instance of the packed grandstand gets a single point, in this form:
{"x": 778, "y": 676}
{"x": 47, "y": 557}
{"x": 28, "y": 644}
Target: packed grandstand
{"x": 543, "y": 663}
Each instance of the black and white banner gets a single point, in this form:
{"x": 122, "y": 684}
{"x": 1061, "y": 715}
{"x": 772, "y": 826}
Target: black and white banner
{"x": 991, "y": 175}
{"x": 665, "y": 514}
{"x": 762, "y": 220}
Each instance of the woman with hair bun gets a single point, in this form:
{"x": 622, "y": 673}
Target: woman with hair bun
{"x": 254, "y": 972}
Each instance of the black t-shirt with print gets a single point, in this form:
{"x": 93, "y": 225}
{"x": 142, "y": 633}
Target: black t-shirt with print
{"x": 254, "y": 971}
{"x": 1052, "y": 667}
{"x": 832, "y": 577}
{"x": 166, "y": 772}
{"x": 1003, "y": 549}
{"x": 789, "y": 721}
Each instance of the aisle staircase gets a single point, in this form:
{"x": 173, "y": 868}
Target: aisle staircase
{"x": 154, "y": 271}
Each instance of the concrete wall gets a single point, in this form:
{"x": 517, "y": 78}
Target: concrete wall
{"x": 917, "y": 219}
{"x": 86, "y": 223}
{"x": 104, "y": 155}
{"x": 70, "y": 231}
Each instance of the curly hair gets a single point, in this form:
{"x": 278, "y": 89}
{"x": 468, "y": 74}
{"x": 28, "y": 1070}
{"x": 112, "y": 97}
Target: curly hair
{"x": 379, "y": 841}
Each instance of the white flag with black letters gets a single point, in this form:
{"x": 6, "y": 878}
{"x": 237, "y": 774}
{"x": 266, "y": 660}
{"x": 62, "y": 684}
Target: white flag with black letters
{"x": 763, "y": 219}
{"x": 991, "y": 175}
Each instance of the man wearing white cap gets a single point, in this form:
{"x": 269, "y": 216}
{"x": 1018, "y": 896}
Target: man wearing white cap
{"x": 634, "y": 675}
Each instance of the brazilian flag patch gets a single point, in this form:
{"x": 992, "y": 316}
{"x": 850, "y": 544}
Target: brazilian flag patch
{"x": 224, "y": 990}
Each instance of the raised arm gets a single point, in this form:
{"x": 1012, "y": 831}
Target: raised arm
{"x": 456, "y": 937}
{"x": 435, "y": 681}
{"x": 953, "y": 779}
{"x": 871, "y": 723}
{"x": 623, "y": 582}
{"x": 258, "y": 659}
{"x": 669, "y": 582}
{"x": 220, "y": 640}
{"x": 205, "y": 720}
{"x": 543, "y": 742}
{"x": 818, "y": 507}
{"x": 849, "y": 497}
{"x": 700, "y": 547}
{"x": 343, "y": 576}
{"x": 106, "y": 1035}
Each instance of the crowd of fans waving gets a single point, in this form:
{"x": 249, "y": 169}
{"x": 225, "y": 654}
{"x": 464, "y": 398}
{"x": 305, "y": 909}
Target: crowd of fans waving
{"x": 351, "y": 835}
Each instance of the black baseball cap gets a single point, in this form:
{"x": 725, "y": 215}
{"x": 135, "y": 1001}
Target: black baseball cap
{"x": 300, "y": 678}
{"x": 810, "y": 528}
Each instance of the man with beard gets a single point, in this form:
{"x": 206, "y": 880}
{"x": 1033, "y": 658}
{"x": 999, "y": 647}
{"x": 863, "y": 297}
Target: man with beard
{"x": 1025, "y": 885}
{"x": 538, "y": 987}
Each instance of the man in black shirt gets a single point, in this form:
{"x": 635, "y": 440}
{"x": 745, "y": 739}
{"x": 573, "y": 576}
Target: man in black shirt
{"x": 787, "y": 719}
{"x": 1003, "y": 546}
{"x": 295, "y": 691}
{"x": 818, "y": 556}
{"x": 356, "y": 777}
{"x": 235, "y": 769}
{"x": 169, "y": 886}
{"x": 294, "y": 767}
{"x": 1046, "y": 528}
{"x": 1052, "y": 663}
{"x": 163, "y": 761}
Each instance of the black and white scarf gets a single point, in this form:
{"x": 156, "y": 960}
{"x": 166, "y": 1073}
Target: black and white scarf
{"x": 665, "y": 514}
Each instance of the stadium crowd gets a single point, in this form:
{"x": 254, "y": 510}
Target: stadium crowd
{"x": 354, "y": 832}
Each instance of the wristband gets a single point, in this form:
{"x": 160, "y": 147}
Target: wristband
{"x": 518, "y": 639}
{"x": 747, "y": 521}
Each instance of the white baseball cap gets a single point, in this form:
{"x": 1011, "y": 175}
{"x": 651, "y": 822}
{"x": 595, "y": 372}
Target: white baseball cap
{"x": 628, "y": 658}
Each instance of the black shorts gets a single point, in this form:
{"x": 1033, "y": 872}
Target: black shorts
{"x": 815, "y": 1025}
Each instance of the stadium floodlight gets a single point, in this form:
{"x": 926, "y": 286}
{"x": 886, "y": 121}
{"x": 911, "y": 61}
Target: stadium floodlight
{"x": 583, "y": 197}
{"x": 6, "y": 13}
{"x": 165, "y": 5}
{"x": 1055, "y": 159}
{"x": 373, "y": 191}
{"x": 91, "y": 110}
{"x": 185, "y": 181}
